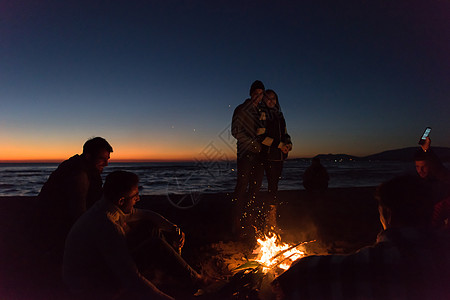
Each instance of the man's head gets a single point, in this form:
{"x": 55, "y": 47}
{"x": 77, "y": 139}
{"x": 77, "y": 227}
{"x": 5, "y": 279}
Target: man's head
{"x": 423, "y": 164}
{"x": 423, "y": 168}
{"x": 257, "y": 91}
{"x": 403, "y": 202}
{"x": 122, "y": 189}
{"x": 96, "y": 151}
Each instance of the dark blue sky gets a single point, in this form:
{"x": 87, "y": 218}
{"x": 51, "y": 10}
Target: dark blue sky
{"x": 160, "y": 79}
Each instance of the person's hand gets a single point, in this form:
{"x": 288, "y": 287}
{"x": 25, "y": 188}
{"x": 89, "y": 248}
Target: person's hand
{"x": 426, "y": 145}
{"x": 285, "y": 149}
{"x": 289, "y": 147}
{"x": 179, "y": 239}
{"x": 260, "y": 131}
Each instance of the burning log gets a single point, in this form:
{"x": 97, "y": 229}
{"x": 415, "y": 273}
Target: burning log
{"x": 290, "y": 255}
{"x": 272, "y": 252}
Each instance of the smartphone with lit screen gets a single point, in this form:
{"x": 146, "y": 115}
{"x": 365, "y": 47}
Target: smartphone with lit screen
{"x": 424, "y": 135}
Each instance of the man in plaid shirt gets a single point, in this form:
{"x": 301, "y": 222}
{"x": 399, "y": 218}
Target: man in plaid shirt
{"x": 408, "y": 261}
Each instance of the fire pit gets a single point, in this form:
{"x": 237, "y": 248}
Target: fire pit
{"x": 247, "y": 273}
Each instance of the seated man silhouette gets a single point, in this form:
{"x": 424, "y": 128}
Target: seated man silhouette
{"x": 408, "y": 261}
{"x": 102, "y": 257}
{"x": 316, "y": 176}
{"x": 431, "y": 170}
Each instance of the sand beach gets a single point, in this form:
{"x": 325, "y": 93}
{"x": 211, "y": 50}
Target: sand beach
{"x": 341, "y": 220}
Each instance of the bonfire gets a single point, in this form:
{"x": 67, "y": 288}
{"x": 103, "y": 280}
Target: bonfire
{"x": 272, "y": 253}
{"x": 253, "y": 273}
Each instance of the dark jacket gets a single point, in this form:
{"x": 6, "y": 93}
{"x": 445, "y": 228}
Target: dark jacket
{"x": 405, "y": 263}
{"x": 275, "y": 132}
{"x": 316, "y": 177}
{"x": 244, "y": 124}
{"x": 71, "y": 189}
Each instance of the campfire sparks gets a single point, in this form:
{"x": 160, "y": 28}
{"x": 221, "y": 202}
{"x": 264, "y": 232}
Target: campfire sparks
{"x": 271, "y": 253}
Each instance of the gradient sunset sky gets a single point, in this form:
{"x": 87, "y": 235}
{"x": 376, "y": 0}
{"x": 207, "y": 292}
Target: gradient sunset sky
{"x": 160, "y": 79}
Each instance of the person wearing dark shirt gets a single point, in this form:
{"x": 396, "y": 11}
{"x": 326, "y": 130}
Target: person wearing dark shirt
{"x": 437, "y": 178}
{"x": 244, "y": 127}
{"x": 275, "y": 146}
{"x": 316, "y": 176}
{"x": 409, "y": 260}
{"x": 431, "y": 170}
{"x": 105, "y": 259}
{"x": 69, "y": 191}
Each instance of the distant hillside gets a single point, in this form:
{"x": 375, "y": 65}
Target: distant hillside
{"x": 404, "y": 154}
{"x": 407, "y": 154}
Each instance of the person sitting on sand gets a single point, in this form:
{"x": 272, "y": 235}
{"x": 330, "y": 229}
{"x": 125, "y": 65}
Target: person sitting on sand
{"x": 432, "y": 171}
{"x": 437, "y": 178}
{"x": 316, "y": 176}
{"x": 112, "y": 245}
{"x": 408, "y": 261}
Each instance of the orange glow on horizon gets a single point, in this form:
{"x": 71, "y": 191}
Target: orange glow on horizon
{"x": 22, "y": 155}
{"x": 56, "y": 152}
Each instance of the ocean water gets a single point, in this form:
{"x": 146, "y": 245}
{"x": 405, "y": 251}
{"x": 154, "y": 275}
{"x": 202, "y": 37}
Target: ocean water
{"x": 26, "y": 179}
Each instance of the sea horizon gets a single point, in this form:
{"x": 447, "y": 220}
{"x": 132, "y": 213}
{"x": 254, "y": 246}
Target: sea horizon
{"x": 184, "y": 177}
{"x": 399, "y": 154}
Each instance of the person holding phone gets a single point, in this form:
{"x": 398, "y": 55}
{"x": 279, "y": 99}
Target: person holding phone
{"x": 428, "y": 165}
{"x": 437, "y": 178}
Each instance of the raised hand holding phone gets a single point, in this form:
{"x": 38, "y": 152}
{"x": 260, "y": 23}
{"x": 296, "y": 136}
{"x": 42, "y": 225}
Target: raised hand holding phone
{"x": 424, "y": 136}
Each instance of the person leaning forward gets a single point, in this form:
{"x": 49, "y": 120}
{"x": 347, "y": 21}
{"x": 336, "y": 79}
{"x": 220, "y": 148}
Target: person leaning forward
{"x": 104, "y": 258}
{"x": 76, "y": 184}
{"x": 71, "y": 189}
{"x": 409, "y": 260}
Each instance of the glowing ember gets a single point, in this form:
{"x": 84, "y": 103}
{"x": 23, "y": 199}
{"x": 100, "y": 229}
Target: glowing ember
{"x": 272, "y": 252}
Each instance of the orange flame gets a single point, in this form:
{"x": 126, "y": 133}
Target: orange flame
{"x": 270, "y": 253}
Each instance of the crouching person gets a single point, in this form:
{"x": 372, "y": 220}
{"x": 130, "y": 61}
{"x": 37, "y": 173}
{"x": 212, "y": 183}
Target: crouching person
{"x": 104, "y": 258}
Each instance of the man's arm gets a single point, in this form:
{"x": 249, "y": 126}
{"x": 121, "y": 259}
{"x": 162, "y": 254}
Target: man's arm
{"x": 242, "y": 130}
{"x": 158, "y": 220}
{"x": 114, "y": 250}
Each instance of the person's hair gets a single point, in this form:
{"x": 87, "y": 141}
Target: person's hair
{"x": 94, "y": 145}
{"x": 257, "y": 84}
{"x": 407, "y": 198}
{"x": 119, "y": 184}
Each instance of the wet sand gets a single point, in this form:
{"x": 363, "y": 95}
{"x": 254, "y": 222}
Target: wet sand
{"x": 342, "y": 220}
